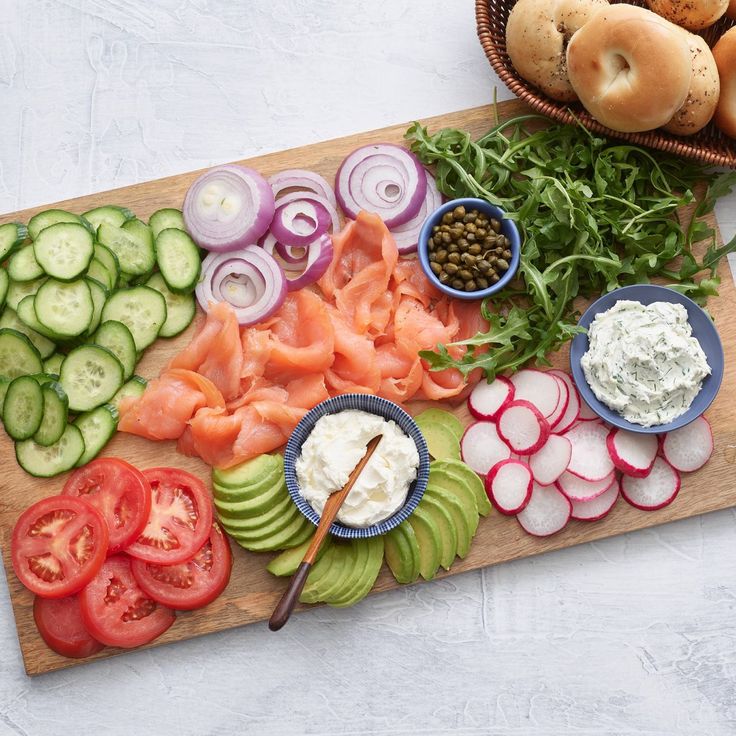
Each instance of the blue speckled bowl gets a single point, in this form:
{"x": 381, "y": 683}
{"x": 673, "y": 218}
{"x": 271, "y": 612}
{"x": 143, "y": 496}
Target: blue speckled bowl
{"x": 374, "y": 405}
{"x": 703, "y": 330}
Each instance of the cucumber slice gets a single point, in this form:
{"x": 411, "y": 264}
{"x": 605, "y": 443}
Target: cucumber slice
{"x": 4, "y": 284}
{"x": 135, "y": 388}
{"x": 18, "y": 356}
{"x": 23, "y": 265}
{"x": 12, "y": 234}
{"x": 10, "y": 319}
{"x": 45, "y": 462}
{"x": 139, "y": 230}
{"x": 27, "y": 315}
{"x": 66, "y": 309}
{"x": 52, "y": 364}
{"x": 23, "y": 408}
{"x": 165, "y": 219}
{"x": 4, "y": 383}
{"x": 99, "y": 297}
{"x": 90, "y": 376}
{"x": 110, "y": 214}
{"x": 180, "y": 308}
{"x": 101, "y": 275}
{"x": 141, "y": 309}
{"x": 47, "y": 218}
{"x": 178, "y": 258}
{"x": 116, "y": 337}
{"x": 134, "y": 252}
{"x": 55, "y": 414}
{"x": 64, "y": 250}
{"x": 97, "y": 427}
{"x": 110, "y": 261}
{"x": 19, "y": 290}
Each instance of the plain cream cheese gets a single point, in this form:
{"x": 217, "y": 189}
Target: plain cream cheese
{"x": 643, "y": 361}
{"x": 333, "y": 449}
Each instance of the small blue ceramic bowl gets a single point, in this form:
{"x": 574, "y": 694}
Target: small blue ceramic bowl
{"x": 374, "y": 405}
{"x": 508, "y": 228}
{"x": 703, "y": 330}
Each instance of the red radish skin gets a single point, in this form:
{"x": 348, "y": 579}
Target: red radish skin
{"x": 590, "y": 459}
{"x": 550, "y": 461}
{"x": 562, "y": 403}
{"x": 539, "y": 388}
{"x": 586, "y": 413}
{"x": 657, "y": 490}
{"x": 547, "y": 512}
{"x": 577, "y": 489}
{"x": 597, "y": 507}
{"x": 633, "y": 454}
{"x": 689, "y": 448}
{"x": 509, "y": 486}
{"x": 487, "y": 400}
{"x": 481, "y": 447}
{"x": 573, "y": 404}
{"x": 522, "y": 427}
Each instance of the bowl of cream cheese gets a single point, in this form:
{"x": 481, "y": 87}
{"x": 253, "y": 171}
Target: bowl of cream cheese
{"x": 327, "y": 444}
{"x": 650, "y": 360}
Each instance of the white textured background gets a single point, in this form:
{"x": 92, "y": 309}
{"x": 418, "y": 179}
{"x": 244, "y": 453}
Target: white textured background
{"x": 634, "y": 635}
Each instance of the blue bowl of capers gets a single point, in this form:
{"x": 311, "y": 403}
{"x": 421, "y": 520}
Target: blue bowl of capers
{"x": 469, "y": 249}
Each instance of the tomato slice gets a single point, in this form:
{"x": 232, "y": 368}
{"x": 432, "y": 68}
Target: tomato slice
{"x": 121, "y": 494}
{"x": 117, "y": 612}
{"x": 180, "y": 518}
{"x": 191, "y": 584}
{"x": 58, "y": 545}
{"x": 59, "y": 621}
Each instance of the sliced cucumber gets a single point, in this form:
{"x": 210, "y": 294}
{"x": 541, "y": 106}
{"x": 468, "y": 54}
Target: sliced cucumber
{"x": 23, "y": 265}
{"x": 52, "y": 364}
{"x": 165, "y": 219}
{"x": 116, "y": 337}
{"x": 55, "y": 414}
{"x": 90, "y": 376}
{"x": 134, "y": 251}
{"x": 27, "y": 315}
{"x": 12, "y": 234}
{"x": 110, "y": 261}
{"x": 4, "y": 284}
{"x": 99, "y": 296}
{"x": 23, "y": 408}
{"x": 10, "y": 319}
{"x": 4, "y": 383}
{"x": 64, "y": 250}
{"x": 110, "y": 214}
{"x": 135, "y": 388}
{"x": 18, "y": 356}
{"x": 141, "y": 309}
{"x": 65, "y": 309}
{"x": 97, "y": 427}
{"x": 139, "y": 230}
{"x": 19, "y": 290}
{"x": 45, "y": 462}
{"x": 178, "y": 258}
{"x": 47, "y": 218}
{"x": 101, "y": 275}
{"x": 180, "y": 308}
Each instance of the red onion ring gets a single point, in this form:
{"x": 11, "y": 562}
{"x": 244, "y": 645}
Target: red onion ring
{"x": 228, "y": 207}
{"x": 303, "y": 180}
{"x": 310, "y": 268}
{"x": 407, "y": 235}
{"x": 301, "y": 221}
{"x": 286, "y": 252}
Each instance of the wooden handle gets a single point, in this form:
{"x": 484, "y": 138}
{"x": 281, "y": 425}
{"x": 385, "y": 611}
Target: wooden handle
{"x": 290, "y": 597}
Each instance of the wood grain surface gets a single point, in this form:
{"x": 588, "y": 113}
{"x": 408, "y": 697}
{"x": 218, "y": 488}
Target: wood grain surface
{"x": 253, "y": 592}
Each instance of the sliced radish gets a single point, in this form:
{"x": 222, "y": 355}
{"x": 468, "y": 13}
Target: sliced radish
{"x": 596, "y": 508}
{"x": 655, "y": 491}
{"x": 562, "y": 403}
{"x": 547, "y": 512}
{"x": 590, "y": 459}
{"x": 586, "y": 413}
{"x": 577, "y": 489}
{"x": 573, "y": 403}
{"x": 689, "y": 448}
{"x": 482, "y": 448}
{"x": 551, "y": 460}
{"x": 509, "y": 486}
{"x": 540, "y": 388}
{"x": 522, "y": 427}
{"x": 632, "y": 453}
{"x": 487, "y": 399}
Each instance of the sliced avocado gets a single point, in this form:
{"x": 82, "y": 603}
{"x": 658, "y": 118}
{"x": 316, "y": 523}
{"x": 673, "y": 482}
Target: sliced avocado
{"x": 441, "y": 480}
{"x": 288, "y": 561}
{"x": 375, "y": 547}
{"x": 247, "y": 473}
{"x": 244, "y": 493}
{"x": 280, "y": 539}
{"x": 428, "y": 537}
{"x": 319, "y": 571}
{"x": 465, "y": 517}
{"x": 353, "y": 574}
{"x": 301, "y": 534}
{"x": 441, "y": 442}
{"x": 458, "y": 470}
{"x": 448, "y": 530}
{"x": 258, "y": 506}
{"x": 342, "y": 570}
{"x": 402, "y": 553}
{"x": 341, "y": 559}
{"x": 440, "y": 416}
{"x": 259, "y": 519}
{"x": 247, "y": 531}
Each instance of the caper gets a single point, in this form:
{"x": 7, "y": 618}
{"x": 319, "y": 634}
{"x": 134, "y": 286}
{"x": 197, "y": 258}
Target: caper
{"x": 446, "y": 238}
{"x": 482, "y": 282}
{"x": 470, "y": 237}
{"x": 447, "y": 218}
{"x": 453, "y": 248}
{"x": 458, "y": 284}
{"x": 470, "y": 227}
{"x": 496, "y": 225}
{"x": 470, "y": 217}
{"x": 482, "y": 221}
{"x": 457, "y": 233}
{"x": 436, "y": 268}
{"x": 436, "y": 229}
{"x": 483, "y": 265}
{"x": 462, "y": 243}
{"x": 470, "y": 285}
{"x": 506, "y": 254}
{"x": 502, "y": 264}
{"x": 458, "y": 213}
{"x": 495, "y": 278}
{"x": 452, "y": 268}
{"x": 498, "y": 251}
{"x": 492, "y": 260}
{"x": 475, "y": 249}
{"x": 444, "y": 228}
{"x": 481, "y": 233}
{"x": 454, "y": 258}
{"x": 441, "y": 256}
{"x": 465, "y": 275}
{"x": 490, "y": 241}
{"x": 444, "y": 277}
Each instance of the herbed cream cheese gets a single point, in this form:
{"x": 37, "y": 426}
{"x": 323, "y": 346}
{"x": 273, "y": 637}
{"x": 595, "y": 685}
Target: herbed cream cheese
{"x": 333, "y": 449}
{"x": 643, "y": 362}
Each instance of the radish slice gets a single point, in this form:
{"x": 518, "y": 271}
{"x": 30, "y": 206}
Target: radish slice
{"x": 689, "y": 448}
{"x": 486, "y": 400}
{"x": 577, "y": 489}
{"x": 596, "y": 508}
{"x": 482, "y": 448}
{"x": 632, "y": 453}
{"x": 547, "y": 512}
{"x": 573, "y": 404}
{"x": 522, "y": 427}
{"x": 590, "y": 459}
{"x": 586, "y": 413}
{"x": 550, "y": 461}
{"x": 655, "y": 491}
{"x": 562, "y": 403}
{"x": 539, "y": 388}
{"x": 509, "y": 486}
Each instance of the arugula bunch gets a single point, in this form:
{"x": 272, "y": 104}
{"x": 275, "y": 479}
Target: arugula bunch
{"x": 595, "y": 214}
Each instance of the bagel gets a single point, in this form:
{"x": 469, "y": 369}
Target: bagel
{"x": 537, "y": 34}
{"x": 725, "y": 55}
{"x": 616, "y": 65}
{"x": 691, "y": 14}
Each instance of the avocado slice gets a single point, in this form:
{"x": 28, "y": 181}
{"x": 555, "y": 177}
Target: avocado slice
{"x": 247, "y": 493}
{"x": 273, "y": 539}
{"x": 456, "y": 470}
{"x": 248, "y": 473}
{"x": 342, "y": 573}
{"x": 319, "y": 571}
{"x": 244, "y": 522}
{"x": 461, "y": 519}
{"x": 287, "y": 563}
{"x": 441, "y": 442}
{"x": 428, "y": 537}
{"x": 446, "y": 525}
{"x": 352, "y": 572}
{"x": 342, "y": 559}
{"x": 374, "y": 547}
{"x": 245, "y": 529}
{"x": 402, "y": 553}
{"x": 301, "y": 534}
{"x": 440, "y": 416}
{"x": 257, "y": 506}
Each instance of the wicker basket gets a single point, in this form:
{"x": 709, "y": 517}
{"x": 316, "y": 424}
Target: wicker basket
{"x": 709, "y": 146}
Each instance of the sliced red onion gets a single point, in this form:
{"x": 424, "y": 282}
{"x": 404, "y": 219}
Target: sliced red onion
{"x": 251, "y": 282}
{"x": 302, "y": 180}
{"x": 407, "y": 235}
{"x": 291, "y": 254}
{"x": 381, "y": 178}
{"x": 228, "y": 207}
{"x": 312, "y": 266}
{"x": 274, "y": 248}
{"x": 302, "y": 220}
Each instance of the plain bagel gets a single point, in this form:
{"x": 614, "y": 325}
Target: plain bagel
{"x": 537, "y": 34}
{"x": 725, "y": 55}
{"x": 691, "y": 14}
{"x": 615, "y": 65}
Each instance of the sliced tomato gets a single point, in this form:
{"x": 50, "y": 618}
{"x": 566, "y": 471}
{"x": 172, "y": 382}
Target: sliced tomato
{"x": 180, "y": 518}
{"x": 191, "y": 584}
{"x": 58, "y": 545}
{"x": 120, "y": 492}
{"x": 117, "y": 612}
{"x": 59, "y": 621}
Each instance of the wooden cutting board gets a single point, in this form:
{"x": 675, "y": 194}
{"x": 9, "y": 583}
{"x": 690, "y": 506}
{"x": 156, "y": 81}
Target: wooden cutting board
{"x": 252, "y": 592}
